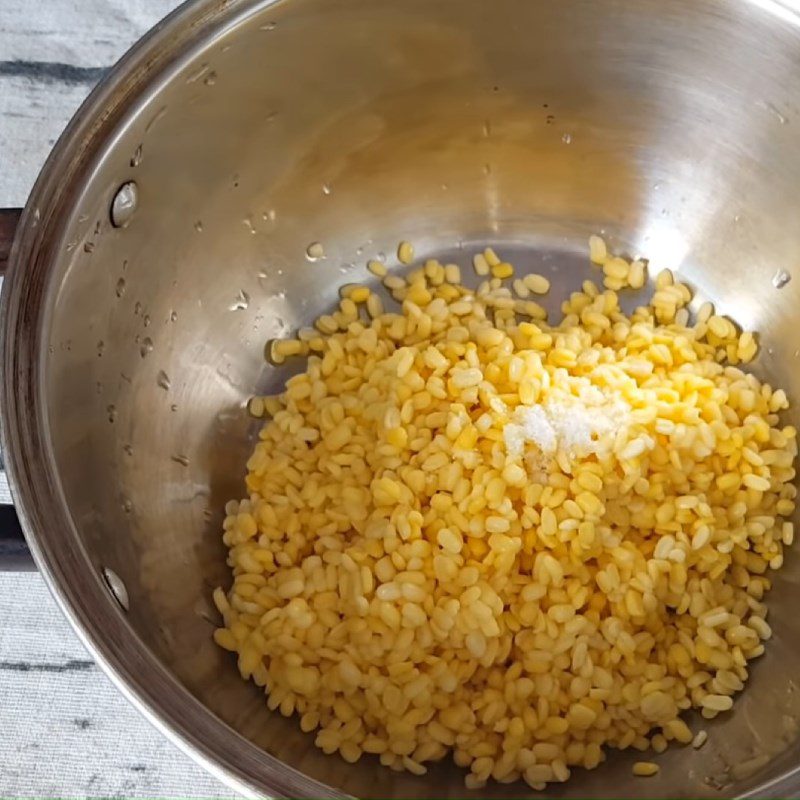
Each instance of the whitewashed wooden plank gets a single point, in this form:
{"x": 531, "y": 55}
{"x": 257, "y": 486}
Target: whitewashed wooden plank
{"x": 32, "y": 115}
{"x": 81, "y": 33}
{"x": 51, "y": 55}
{"x": 66, "y": 731}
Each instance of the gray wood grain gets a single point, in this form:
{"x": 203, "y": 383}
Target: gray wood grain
{"x": 51, "y": 54}
{"x": 65, "y": 731}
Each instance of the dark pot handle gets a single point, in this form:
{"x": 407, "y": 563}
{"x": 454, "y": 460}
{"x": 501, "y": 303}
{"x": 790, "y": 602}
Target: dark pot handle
{"x": 14, "y": 553}
{"x": 9, "y": 219}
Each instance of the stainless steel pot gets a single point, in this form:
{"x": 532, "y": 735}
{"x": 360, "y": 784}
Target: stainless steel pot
{"x": 251, "y": 128}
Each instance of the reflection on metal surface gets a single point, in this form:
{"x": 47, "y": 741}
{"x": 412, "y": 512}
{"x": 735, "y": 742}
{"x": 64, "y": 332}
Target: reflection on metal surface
{"x": 786, "y": 11}
{"x": 664, "y": 245}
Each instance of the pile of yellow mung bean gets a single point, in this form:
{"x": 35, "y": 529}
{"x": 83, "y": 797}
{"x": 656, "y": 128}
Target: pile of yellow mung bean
{"x": 410, "y": 587}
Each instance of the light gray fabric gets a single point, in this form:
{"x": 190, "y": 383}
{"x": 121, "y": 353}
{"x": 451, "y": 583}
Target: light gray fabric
{"x": 65, "y": 731}
{"x": 50, "y": 56}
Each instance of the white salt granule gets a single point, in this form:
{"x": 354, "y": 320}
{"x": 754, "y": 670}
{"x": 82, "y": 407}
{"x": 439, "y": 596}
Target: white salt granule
{"x": 531, "y": 424}
{"x": 571, "y": 423}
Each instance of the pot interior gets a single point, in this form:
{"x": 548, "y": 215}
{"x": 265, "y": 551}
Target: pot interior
{"x": 264, "y": 127}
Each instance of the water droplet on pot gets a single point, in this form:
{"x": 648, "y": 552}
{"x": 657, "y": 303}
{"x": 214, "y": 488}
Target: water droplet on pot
{"x": 210, "y": 79}
{"x": 780, "y": 279}
{"x": 268, "y": 26}
{"x": 114, "y": 583}
{"x": 146, "y": 321}
{"x": 137, "y": 308}
{"x": 136, "y": 158}
{"x": 112, "y": 412}
{"x": 248, "y": 223}
{"x": 88, "y": 247}
{"x": 173, "y": 407}
{"x": 100, "y": 347}
{"x": 124, "y": 204}
{"x": 198, "y": 226}
{"x": 182, "y": 460}
{"x": 173, "y": 317}
{"x": 128, "y": 448}
{"x": 120, "y": 290}
{"x": 147, "y": 347}
{"x": 487, "y": 128}
{"x": 326, "y": 189}
{"x": 241, "y": 302}
{"x": 162, "y": 379}
{"x": 567, "y": 138}
{"x": 315, "y": 252}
